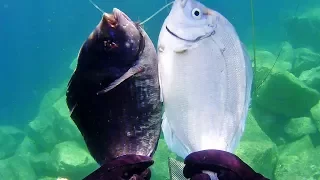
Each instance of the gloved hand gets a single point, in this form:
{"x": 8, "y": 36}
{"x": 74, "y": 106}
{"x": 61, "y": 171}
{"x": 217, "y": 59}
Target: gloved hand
{"x": 227, "y": 166}
{"x": 133, "y": 167}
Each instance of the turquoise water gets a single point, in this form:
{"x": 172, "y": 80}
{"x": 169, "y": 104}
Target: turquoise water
{"x": 41, "y": 39}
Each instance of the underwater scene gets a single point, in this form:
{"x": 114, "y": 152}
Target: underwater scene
{"x": 86, "y": 82}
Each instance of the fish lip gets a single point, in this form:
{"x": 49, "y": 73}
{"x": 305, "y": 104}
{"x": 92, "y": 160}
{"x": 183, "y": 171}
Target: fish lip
{"x": 117, "y": 13}
{"x": 111, "y": 19}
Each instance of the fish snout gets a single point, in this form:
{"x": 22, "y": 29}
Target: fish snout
{"x": 111, "y": 19}
{"x": 118, "y": 13}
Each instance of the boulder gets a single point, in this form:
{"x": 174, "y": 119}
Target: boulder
{"x": 257, "y": 149}
{"x": 10, "y": 138}
{"x": 315, "y": 113}
{"x": 311, "y": 78}
{"x": 72, "y": 161}
{"x": 267, "y": 121}
{"x": 42, "y": 164}
{"x": 74, "y": 63}
{"x": 298, "y": 160}
{"x": 42, "y": 131}
{"x": 284, "y": 94}
{"x": 65, "y": 128}
{"x": 27, "y": 148}
{"x": 21, "y": 168}
{"x": 306, "y": 25}
{"x": 52, "y": 96}
{"x": 305, "y": 59}
{"x": 298, "y": 127}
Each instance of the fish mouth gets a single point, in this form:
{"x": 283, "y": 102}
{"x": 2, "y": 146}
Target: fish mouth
{"x": 111, "y": 19}
{"x": 114, "y": 17}
{"x": 190, "y": 40}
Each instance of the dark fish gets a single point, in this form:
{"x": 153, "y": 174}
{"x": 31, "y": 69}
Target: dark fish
{"x": 114, "y": 93}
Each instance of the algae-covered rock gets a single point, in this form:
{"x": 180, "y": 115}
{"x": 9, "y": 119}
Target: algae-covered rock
{"x": 72, "y": 161}
{"x": 27, "y": 148}
{"x": 303, "y": 30}
{"x": 272, "y": 124}
{"x": 298, "y": 127}
{"x": 65, "y": 128}
{"x": 73, "y": 64}
{"x": 285, "y": 94}
{"x": 42, "y": 131}
{"x": 21, "y": 168}
{"x": 42, "y": 164}
{"x": 14, "y": 132}
{"x": 315, "y": 112}
{"x": 9, "y": 141}
{"x": 160, "y": 170}
{"x": 296, "y": 147}
{"x": 311, "y": 78}
{"x": 267, "y": 63}
{"x": 257, "y": 149}
{"x": 52, "y": 96}
{"x": 5, "y": 171}
{"x": 298, "y": 160}
{"x": 305, "y": 59}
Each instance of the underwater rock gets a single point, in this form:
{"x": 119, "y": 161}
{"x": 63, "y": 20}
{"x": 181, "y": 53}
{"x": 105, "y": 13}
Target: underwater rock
{"x": 41, "y": 130}
{"x": 5, "y": 171}
{"x": 315, "y": 112}
{"x": 265, "y": 62}
{"x": 10, "y": 138}
{"x": 160, "y": 169}
{"x": 257, "y": 149}
{"x": 48, "y": 178}
{"x": 298, "y": 127}
{"x": 42, "y": 164}
{"x": 27, "y": 148}
{"x": 65, "y": 128}
{"x": 311, "y": 78}
{"x": 13, "y": 131}
{"x": 298, "y": 160}
{"x": 52, "y": 96}
{"x": 271, "y": 124}
{"x": 303, "y": 30}
{"x": 284, "y": 94}
{"x": 72, "y": 161}
{"x": 287, "y": 53}
{"x": 21, "y": 168}
{"x": 74, "y": 63}
{"x": 294, "y": 148}
{"x": 305, "y": 59}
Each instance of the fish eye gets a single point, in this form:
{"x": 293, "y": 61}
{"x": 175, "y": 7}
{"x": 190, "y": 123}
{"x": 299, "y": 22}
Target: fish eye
{"x": 196, "y": 13}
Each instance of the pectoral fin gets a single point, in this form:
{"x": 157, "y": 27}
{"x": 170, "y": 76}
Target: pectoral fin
{"x": 132, "y": 71}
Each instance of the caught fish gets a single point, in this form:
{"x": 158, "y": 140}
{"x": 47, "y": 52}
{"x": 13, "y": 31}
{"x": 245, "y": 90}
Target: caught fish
{"x": 114, "y": 93}
{"x": 205, "y": 78}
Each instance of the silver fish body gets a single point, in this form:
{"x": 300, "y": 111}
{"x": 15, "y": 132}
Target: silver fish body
{"x": 206, "y": 76}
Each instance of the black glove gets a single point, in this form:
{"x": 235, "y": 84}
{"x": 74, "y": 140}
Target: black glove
{"x": 227, "y": 166}
{"x": 133, "y": 167}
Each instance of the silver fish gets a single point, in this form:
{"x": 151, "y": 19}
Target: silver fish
{"x": 205, "y": 78}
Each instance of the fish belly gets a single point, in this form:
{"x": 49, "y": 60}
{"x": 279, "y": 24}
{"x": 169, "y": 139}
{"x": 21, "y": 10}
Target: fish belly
{"x": 205, "y": 91}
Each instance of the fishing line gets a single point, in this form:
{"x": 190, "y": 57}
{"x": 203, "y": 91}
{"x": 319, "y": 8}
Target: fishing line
{"x": 96, "y": 6}
{"x": 165, "y": 6}
{"x": 295, "y": 14}
{"x": 253, "y": 43}
{"x": 149, "y": 18}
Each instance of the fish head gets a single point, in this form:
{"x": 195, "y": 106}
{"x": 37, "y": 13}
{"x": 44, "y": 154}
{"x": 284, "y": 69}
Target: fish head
{"x": 115, "y": 42}
{"x": 190, "y": 20}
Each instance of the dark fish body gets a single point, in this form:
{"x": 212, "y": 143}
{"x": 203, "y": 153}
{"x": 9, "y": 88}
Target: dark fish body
{"x": 114, "y": 93}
